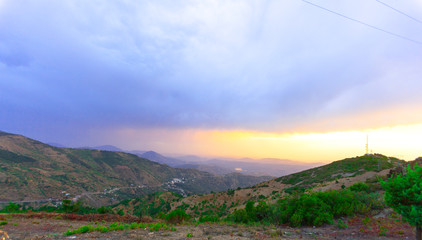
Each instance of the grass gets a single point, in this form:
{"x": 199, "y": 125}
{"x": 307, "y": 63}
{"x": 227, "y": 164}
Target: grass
{"x": 120, "y": 227}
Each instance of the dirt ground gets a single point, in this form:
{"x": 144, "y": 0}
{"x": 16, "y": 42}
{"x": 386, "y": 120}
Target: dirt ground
{"x": 22, "y": 228}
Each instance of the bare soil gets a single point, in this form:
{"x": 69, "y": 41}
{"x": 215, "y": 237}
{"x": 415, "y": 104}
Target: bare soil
{"x": 24, "y": 227}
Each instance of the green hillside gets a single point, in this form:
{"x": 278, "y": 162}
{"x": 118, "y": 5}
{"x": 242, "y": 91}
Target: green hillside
{"x": 348, "y": 167}
{"x": 339, "y": 189}
{"x": 31, "y": 170}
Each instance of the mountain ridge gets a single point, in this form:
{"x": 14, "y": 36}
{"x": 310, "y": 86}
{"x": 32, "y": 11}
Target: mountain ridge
{"x": 337, "y": 175}
{"x": 30, "y": 169}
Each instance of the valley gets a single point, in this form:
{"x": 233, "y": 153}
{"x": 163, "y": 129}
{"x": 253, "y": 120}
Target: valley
{"x": 31, "y": 170}
{"x": 114, "y": 195}
{"x": 210, "y": 120}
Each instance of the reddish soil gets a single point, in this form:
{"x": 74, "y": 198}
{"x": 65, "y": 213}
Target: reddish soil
{"x": 52, "y": 226}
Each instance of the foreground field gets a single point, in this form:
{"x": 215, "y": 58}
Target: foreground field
{"x": 53, "y": 226}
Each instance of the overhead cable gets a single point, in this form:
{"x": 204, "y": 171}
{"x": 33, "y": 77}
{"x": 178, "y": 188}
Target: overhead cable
{"x": 365, "y": 24}
{"x": 403, "y": 13}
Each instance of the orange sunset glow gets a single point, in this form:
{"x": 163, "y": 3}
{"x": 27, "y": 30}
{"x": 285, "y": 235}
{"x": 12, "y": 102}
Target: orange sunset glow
{"x": 238, "y": 79}
{"x": 399, "y": 141}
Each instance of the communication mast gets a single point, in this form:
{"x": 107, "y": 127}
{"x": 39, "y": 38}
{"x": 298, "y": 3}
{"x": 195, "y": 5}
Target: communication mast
{"x": 367, "y": 145}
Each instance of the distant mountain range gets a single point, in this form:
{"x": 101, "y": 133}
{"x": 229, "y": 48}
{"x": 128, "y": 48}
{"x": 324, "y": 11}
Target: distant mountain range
{"x": 256, "y": 167}
{"x": 156, "y": 157}
{"x": 105, "y": 148}
{"x": 32, "y": 170}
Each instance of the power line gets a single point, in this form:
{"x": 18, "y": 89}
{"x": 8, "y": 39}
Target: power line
{"x": 395, "y": 9}
{"x": 365, "y": 24}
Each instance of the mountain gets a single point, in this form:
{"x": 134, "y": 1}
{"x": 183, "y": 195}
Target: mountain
{"x": 349, "y": 167}
{"x": 261, "y": 167}
{"x": 336, "y": 175}
{"x": 156, "y": 157}
{"x": 56, "y": 144}
{"x": 32, "y": 170}
{"x": 214, "y": 169}
{"x": 105, "y": 148}
{"x": 177, "y": 163}
{"x": 137, "y": 152}
{"x": 255, "y": 167}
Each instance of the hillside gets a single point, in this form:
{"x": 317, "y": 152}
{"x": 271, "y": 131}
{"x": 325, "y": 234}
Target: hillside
{"x": 32, "y": 170}
{"x": 336, "y": 175}
{"x": 332, "y": 202}
{"x": 349, "y": 167}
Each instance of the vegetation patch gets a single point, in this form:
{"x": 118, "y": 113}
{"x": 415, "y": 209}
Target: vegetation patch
{"x": 177, "y": 216}
{"x": 340, "y": 169}
{"x": 311, "y": 209}
{"x": 119, "y": 227}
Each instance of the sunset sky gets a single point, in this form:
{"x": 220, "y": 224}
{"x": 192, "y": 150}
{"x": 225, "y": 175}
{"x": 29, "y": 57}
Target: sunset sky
{"x": 291, "y": 79}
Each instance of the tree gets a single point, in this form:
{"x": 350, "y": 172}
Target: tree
{"x": 404, "y": 194}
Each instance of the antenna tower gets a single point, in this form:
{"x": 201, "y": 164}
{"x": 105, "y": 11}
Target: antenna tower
{"x": 367, "y": 144}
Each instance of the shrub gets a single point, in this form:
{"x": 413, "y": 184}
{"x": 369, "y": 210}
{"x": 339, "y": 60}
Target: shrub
{"x": 322, "y": 207}
{"x": 341, "y": 224}
{"x": 104, "y": 210}
{"x": 177, "y": 216}
{"x": 209, "y": 218}
{"x": 238, "y": 216}
{"x": 404, "y": 194}
{"x": 230, "y": 192}
{"x": 12, "y": 208}
{"x": 359, "y": 187}
{"x": 262, "y": 197}
{"x": 295, "y": 190}
{"x": 120, "y": 212}
{"x": 251, "y": 213}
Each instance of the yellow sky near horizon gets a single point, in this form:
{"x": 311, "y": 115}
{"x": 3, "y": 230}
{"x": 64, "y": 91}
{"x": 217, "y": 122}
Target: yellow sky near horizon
{"x": 401, "y": 141}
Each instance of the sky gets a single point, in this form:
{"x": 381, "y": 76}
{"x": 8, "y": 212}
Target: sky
{"x": 292, "y": 79}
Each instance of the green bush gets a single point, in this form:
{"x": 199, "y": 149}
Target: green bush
{"x": 295, "y": 190}
{"x": 262, "y": 197}
{"x": 404, "y": 194}
{"x": 209, "y": 218}
{"x": 359, "y": 187}
{"x": 230, "y": 192}
{"x": 322, "y": 207}
{"x": 12, "y": 208}
{"x": 69, "y": 207}
{"x": 120, "y": 212}
{"x": 177, "y": 216}
{"x": 104, "y": 210}
{"x": 306, "y": 209}
{"x": 251, "y": 213}
{"x": 341, "y": 224}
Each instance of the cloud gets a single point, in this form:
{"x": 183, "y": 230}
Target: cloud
{"x": 256, "y": 65}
